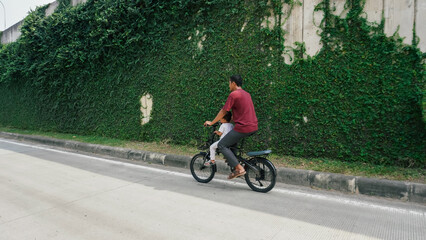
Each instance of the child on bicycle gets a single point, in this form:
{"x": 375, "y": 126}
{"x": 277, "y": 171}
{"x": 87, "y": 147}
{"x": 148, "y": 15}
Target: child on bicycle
{"x": 224, "y": 129}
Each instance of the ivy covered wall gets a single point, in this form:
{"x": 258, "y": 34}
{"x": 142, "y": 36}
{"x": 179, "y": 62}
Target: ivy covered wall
{"x": 84, "y": 70}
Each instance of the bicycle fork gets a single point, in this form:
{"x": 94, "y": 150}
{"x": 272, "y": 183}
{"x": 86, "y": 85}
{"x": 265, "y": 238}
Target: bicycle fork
{"x": 206, "y": 158}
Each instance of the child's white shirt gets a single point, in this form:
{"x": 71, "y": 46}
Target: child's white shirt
{"x": 225, "y": 128}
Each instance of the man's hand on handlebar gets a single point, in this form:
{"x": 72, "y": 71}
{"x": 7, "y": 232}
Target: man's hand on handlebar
{"x": 207, "y": 123}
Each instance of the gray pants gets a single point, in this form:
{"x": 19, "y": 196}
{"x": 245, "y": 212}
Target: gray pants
{"x": 229, "y": 140}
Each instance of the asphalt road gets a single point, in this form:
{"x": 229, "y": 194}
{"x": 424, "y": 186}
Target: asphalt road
{"x": 49, "y": 193}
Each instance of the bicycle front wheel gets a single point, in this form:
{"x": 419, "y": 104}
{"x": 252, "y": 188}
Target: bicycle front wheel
{"x": 200, "y": 172}
{"x": 263, "y": 177}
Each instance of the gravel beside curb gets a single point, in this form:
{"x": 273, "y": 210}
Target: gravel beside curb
{"x": 404, "y": 191}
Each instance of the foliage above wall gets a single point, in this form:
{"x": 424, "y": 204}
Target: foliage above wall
{"x": 84, "y": 69}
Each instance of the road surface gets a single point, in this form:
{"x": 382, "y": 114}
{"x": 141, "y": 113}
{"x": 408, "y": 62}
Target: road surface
{"x": 50, "y": 193}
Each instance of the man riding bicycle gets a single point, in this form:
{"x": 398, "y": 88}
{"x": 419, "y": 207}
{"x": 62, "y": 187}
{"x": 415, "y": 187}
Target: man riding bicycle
{"x": 244, "y": 115}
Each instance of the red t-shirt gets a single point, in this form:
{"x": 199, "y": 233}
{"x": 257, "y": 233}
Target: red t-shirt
{"x": 242, "y": 110}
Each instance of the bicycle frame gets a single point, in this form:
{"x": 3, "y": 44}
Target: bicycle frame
{"x": 237, "y": 149}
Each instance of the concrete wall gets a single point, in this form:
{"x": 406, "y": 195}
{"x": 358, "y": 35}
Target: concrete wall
{"x": 75, "y": 2}
{"x": 311, "y": 30}
{"x": 302, "y": 22}
{"x": 420, "y": 17}
{"x": 400, "y": 15}
{"x": 293, "y": 28}
{"x": 51, "y": 9}
{"x": 374, "y": 10}
{"x": 12, "y": 34}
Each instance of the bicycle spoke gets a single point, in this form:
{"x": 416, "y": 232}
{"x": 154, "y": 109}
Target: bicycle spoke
{"x": 261, "y": 175}
{"x": 200, "y": 172}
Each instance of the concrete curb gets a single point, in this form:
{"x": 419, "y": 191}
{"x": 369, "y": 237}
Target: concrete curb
{"x": 404, "y": 191}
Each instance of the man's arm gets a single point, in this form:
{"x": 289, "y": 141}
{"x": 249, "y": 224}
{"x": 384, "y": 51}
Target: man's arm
{"x": 219, "y": 116}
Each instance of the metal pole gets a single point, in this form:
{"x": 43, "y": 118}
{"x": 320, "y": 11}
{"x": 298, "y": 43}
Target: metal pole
{"x": 4, "y": 10}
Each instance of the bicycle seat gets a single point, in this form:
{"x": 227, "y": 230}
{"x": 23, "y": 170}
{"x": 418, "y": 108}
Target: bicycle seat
{"x": 258, "y": 153}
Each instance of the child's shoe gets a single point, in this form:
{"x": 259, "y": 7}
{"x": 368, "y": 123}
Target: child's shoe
{"x": 209, "y": 163}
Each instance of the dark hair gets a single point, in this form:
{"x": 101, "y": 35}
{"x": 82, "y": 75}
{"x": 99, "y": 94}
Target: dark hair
{"x": 237, "y": 79}
{"x": 228, "y": 116}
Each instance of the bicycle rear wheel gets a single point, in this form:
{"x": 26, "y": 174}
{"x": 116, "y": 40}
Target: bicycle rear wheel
{"x": 263, "y": 178}
{"x": 200, "y": 172}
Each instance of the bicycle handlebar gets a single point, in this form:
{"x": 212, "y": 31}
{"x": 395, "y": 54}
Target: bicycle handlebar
{"x": 213, "y": 125}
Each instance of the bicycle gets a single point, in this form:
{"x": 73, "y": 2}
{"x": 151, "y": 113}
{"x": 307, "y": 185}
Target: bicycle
{"x": 260, "y": 174}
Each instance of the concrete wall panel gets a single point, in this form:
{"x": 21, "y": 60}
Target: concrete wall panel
{"x": 311, "y": 29}
{"x": 420, "y": 23}
{"x": 293, "y": 29}
{"x": 11, "y": 34}
{"x": 399, "y": 13}
{"x": 51, "y": 9}
{"x": 338, "y": 7}
{"x": 374, "y": 10}
{"x": 75, "y": 2}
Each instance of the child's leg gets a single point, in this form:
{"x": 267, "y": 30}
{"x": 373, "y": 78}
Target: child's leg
{"x": 213, "y": 148}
